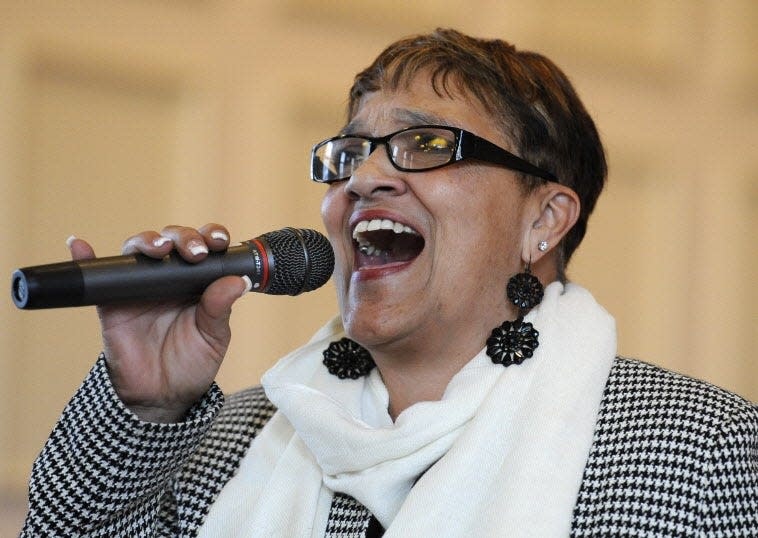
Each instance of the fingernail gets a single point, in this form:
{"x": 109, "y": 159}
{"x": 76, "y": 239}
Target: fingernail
{"x": 196, "y": 247}
{"x": 161, "y": 241}
{"x": 219, "y": 235}
{"x": 248, "y": 284}
{"x": 70, "y": 240}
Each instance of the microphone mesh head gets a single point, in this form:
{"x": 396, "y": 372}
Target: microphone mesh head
{"x": 303, "y": 260}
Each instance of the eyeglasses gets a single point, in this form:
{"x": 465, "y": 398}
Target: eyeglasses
{"x": 414, "y": 149}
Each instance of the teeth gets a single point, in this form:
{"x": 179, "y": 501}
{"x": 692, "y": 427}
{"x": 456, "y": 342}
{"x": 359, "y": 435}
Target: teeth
{"x": 370, "y": 250}
{"x": 365, "y": 246}
{"x": 379, "y": 224}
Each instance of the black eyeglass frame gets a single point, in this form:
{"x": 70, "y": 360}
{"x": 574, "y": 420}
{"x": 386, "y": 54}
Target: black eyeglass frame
{"x": 467, "y": 146}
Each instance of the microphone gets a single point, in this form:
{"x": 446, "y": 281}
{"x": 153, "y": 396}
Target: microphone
{"x": 284, "y": 262}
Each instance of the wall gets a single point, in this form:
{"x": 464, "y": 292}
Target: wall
{"x": 120, "y": 116}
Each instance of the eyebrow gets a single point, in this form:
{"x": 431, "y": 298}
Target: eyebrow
{"x": 403, "y": 116}
{"x": 416, "y": 117}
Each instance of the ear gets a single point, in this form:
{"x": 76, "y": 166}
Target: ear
{"x": 556, "y": 210}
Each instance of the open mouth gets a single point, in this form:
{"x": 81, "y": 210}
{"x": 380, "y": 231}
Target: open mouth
{"x": 383, "y": 241}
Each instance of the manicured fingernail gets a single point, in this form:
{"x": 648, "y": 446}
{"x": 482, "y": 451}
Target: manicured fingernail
{"x": 219, "y": 235}
{"x": 161, "y": 241}
{"x": 196, "y": 247}
{"x": 248, "y": 284}
{"x": 70, "y": 240}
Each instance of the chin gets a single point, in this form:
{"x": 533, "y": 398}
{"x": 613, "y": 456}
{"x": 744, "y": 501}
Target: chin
{"x": 369, "y": 330}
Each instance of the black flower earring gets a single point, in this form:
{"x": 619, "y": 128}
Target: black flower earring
{"x": 347, "y": 359}
{"x": 515, "y": 341}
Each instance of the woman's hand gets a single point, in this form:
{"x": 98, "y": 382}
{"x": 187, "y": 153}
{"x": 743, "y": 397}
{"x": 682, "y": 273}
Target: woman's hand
{"x": 163, "y": 355}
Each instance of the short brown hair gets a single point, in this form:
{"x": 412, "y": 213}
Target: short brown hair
{"x": 538, "y": 110}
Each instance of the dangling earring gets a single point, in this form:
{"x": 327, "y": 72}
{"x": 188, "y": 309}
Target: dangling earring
{"x": 348, "y": 359}
{"x": 515, "y": 341}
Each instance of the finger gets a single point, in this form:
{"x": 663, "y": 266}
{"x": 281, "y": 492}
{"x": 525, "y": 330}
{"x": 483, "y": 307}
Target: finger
{"x": 80, "y": 249}
{"x": 149, "y": 243}
{"x": 215, "y": 308}
{"x": 187, "y": 241}
{"x": 216, "y": 236}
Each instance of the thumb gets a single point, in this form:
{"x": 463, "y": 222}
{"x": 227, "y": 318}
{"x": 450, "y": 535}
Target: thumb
{"x": 215, "y": 306}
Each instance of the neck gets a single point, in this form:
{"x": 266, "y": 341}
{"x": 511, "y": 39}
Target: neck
{"x": 419, "y": 367}
{"x": 409, "y": 385}
{"x": 422, "y": 372}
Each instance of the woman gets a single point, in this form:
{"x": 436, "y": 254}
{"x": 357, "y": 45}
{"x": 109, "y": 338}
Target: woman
{"x": 437, "y": 403}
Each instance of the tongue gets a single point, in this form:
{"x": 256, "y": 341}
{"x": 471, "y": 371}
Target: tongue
{"x": 364, "y": 260}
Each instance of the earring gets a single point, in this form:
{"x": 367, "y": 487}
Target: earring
{"x": 348, "y": 359}
{"x": 515, "y": 341}
{"x": 542, "y": 246}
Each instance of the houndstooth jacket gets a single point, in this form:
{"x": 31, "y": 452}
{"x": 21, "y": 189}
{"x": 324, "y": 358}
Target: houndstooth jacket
{"x": 671, "y": 457}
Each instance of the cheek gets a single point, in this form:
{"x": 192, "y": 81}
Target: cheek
{"x": 333, "y": 214}
{"x": 330, "y": 212}
{"x": 486, "y": 220}
{"x": 479, "y": 207}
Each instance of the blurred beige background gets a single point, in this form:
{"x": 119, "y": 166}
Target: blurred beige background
{"x": 120, "y": 116}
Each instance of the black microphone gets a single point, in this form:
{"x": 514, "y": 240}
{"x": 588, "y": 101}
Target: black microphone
{"x": 285, "y": 262}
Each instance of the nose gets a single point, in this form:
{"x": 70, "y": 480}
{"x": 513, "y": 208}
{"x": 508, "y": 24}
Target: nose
{"x": 376, "y": 177}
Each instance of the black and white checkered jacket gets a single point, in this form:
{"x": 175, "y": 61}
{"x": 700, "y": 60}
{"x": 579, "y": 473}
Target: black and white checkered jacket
{"x": 671, "y": 456}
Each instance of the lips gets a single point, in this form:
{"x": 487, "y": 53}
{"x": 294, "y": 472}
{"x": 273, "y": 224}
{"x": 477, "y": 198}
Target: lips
{"x": 380, "y": 242}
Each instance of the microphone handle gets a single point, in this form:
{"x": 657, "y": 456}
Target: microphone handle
{"x": 136, "y": 277}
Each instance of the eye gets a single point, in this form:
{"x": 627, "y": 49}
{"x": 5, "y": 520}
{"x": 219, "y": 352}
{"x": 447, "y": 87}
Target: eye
{"x": 337, "y": 159}
{"x": 354, "y": 147}
{"x": 432, "y": 143}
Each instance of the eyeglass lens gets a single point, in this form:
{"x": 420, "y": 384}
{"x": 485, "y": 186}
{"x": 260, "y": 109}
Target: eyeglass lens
{"x": 338, "y": 158}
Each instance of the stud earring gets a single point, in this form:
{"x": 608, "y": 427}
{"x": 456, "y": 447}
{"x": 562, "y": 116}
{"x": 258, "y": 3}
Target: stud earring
{"x": 542, "y": 246}
{"x": 515, "y": 341}
{"x": 348, "y": 359}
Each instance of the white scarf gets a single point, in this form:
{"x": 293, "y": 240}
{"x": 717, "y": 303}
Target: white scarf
{"x": 505, "y": 448}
